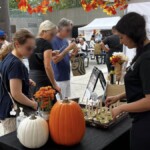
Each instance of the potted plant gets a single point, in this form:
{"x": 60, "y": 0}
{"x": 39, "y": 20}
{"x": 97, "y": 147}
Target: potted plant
{"x": 45, "y": 97}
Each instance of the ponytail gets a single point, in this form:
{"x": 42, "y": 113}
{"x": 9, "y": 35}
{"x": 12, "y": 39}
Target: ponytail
{"x": 5, "y": 51}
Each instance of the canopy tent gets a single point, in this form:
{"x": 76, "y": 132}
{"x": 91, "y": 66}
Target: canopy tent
{"x": 101, "y": 24}
{"x": 138, "y": 1}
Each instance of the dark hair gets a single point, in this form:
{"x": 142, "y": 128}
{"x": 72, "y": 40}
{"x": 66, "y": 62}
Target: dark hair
{"x": 3, "y": 38}
{"x": 134, "y": 26}
{"x": 114, "y": 28}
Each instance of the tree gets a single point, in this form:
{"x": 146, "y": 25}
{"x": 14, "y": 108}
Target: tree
{"x": 12, "y": 4}
{"x": 4, "y": 19}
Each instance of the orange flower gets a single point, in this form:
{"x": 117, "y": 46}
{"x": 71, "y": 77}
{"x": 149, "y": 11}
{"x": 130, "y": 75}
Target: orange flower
{"x": 105, "y": 5}
{"x": 43, "y": 7}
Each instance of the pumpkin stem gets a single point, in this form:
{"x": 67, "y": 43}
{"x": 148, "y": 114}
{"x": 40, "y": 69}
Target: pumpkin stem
{"x": 32, "y": 117}
{"x": 66, "y": 100}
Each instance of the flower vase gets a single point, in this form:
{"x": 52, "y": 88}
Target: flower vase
{"x": 45, "y": 115}
{"x": 118, "y": 71}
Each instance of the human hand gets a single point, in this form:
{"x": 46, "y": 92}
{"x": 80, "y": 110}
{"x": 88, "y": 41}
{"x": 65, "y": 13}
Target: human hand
{"x": 32, "y": 83}
{"x": 75, "y": 52}
{"x": 57, "y": 88}
{"x": 111, "y": 100}
{"x": 72, "y": 46}
{"x": 117, "y": 111}
{"x": 34, "y": 105}
{"x": 55, "y": 53}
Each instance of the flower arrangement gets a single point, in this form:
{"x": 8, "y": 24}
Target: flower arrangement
{"x": 44, "y": 97}
{"x": 118, "y": 58}
{"x": 42, "y": 7}
{"x": 105, "y": 5}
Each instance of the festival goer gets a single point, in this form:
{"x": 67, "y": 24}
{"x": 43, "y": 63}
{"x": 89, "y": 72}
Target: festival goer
{"x": 131, "y": 30}
{"x": 61, "y": 62}
{"x": 15, "y": 79}
{"x": 92, "y": 42}
{"x": 97, "y": 51}
{"x": 41, "y": 70}
{"x": 83, "y": 45}
{"x": 3, "y": 41}
{"x": 98, "y": 36}
{"x": 114, "y": 45}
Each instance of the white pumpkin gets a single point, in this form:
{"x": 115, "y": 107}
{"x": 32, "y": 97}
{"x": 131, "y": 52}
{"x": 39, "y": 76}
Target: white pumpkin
{"x": 33, "y": 132}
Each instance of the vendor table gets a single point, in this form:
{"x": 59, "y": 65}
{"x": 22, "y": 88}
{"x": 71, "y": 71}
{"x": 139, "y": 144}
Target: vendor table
{"x": 94, "y": 139}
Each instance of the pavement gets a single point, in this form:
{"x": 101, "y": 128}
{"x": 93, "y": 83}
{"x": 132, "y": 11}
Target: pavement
{"x": 79, "y": 83}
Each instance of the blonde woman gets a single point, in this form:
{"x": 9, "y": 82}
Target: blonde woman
{"x": 40, "y": 67}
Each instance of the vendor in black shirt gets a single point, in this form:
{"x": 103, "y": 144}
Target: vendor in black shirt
{"x": 15, "y": 79}
{"x": 132, "y": 32}
{"x": 40, "y": 62}
{"x": 113, "y": 44}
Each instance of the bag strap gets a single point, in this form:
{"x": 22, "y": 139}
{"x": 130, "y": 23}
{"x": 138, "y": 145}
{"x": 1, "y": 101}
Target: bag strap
{"x": 14, "y": 104}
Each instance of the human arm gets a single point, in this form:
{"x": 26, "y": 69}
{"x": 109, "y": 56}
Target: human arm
{"x": 142, "y": 105}
{"x": 74, "y": 52}
{"x": 32, "y": 83}
{"x": 113, "y": 99}
{"x": 63, "y": 53}
{"x": 49, "y": 69}
{"x": 16, "y": 92}
{"x": 104, "y": 47}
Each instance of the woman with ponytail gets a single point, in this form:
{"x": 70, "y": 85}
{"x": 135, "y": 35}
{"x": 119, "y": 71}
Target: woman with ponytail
{"x": 132, "y": 32}
{"x": 14, "y": 79}
{"x": 4, "y": 52}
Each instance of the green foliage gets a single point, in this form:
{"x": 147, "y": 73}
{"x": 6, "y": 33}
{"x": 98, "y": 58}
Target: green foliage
{"x": 12, "y": 4}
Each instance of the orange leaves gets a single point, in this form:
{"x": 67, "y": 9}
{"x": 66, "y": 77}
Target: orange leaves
{"x": 23, "y": 5}
{"x": 43, "y": 7}
{"x": 44, "y": 97}
{"x": 45, "y": 92}
{"x": 105, "y": 5}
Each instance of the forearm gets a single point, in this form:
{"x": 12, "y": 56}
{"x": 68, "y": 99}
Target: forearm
{"x": 138, "y": 106}
{"x": 22, "y": 99}
{"x": 50, "y": 74}
{"x": 61, "y": 56}
{"x": 121, "y": 96}
{"x": 104, "y": 47}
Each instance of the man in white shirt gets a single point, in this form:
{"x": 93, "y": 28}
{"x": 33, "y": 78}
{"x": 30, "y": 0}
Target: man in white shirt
{"x": 83, "y": 45}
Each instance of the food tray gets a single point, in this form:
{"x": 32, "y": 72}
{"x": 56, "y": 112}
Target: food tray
{"x": 97, "y": 124}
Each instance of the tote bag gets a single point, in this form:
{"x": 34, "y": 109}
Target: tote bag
{"x": 78, "y": 67}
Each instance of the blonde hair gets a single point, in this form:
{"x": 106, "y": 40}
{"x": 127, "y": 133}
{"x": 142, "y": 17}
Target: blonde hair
{"x": 21, "y": 37}
{"x": 5, "y": 51}
{"x": 45, "y": 26}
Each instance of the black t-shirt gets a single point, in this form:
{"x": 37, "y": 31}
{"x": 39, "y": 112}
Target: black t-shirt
{"x": 137, "y": 79}
{"x": 36, "y": 61}
{"x": 11, "y": 68}
{"x": 113, "y": 42}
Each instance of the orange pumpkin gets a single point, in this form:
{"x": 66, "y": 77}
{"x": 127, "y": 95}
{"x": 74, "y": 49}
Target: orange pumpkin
{"x": 67, "y": 124}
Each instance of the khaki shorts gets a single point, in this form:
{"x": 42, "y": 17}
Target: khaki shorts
{"x": 7, "y": 126}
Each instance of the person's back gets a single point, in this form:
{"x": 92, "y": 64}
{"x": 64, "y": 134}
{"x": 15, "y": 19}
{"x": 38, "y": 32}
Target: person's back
{"x": 113, "y": 43}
